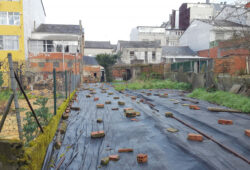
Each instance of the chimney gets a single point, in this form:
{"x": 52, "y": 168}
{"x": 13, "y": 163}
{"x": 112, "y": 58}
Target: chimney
{"x": 208, "y": 1}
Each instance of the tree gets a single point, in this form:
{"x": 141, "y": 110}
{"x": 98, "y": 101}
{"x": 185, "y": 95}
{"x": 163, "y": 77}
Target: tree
{"x": 107, "y": 61}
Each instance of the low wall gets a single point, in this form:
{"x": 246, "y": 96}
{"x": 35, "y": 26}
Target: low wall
{"x": 205, "y": 80}
{"x": 15, "y": 156}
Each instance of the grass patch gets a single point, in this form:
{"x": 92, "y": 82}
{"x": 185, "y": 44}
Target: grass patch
{"x": 234, "y": 101}
{"x": 5, "y": 95}
{"x": 152, "y": 84}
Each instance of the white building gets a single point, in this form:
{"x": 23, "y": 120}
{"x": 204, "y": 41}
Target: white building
{"x": 93, "y": 48}
{"x": 139, "y": 52}
{"x": 34, "y": 15}
{"x": 149, "y": 33}
{"x": 203, "y": 34}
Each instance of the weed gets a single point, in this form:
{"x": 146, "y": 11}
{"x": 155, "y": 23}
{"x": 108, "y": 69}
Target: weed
{"x": 153, "y": 84}
{"x": 234, "y": 101}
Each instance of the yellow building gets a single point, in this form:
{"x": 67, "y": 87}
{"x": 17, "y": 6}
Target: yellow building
{"x": 18, "y": 18}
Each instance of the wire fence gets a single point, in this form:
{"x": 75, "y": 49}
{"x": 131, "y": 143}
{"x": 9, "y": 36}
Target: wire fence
{"x": 46, "y": 91}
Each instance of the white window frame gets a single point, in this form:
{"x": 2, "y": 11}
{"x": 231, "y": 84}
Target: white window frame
{"x": 15, "y": 16}
{"x": 9, "y": 42}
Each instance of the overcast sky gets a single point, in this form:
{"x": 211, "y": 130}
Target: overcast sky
{"x": 111, "y": 20}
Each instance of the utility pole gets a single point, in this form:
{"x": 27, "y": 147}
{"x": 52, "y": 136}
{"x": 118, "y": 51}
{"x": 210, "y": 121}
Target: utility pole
{"x": 13, "y": 87}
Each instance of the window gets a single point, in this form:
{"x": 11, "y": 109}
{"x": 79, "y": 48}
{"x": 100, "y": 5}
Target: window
{"x": 153, "y": 55}
{"x": 41, "y": 64}
{"x": 9, "y": 42}
{"x": 55, "y": 64}
{"x": 132, "y": 53}
{"x": 9, "y": 18}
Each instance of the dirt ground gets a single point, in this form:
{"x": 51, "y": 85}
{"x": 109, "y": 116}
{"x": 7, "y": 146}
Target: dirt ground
{"x": 10, "y": 130}
{"x": 148, "y": 134}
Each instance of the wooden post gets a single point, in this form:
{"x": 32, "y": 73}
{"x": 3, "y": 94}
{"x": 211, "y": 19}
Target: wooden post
{"x": 13, "y": 87}
{"x": 54, "y": 78}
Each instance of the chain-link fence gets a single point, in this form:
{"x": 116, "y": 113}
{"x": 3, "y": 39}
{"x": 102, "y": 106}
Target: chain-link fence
{"x": 46, "y": 91}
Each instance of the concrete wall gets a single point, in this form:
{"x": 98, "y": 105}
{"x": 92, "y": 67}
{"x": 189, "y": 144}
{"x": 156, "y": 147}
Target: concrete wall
{"x": 34, "y": 15}
{"x": 197, "y": 32}
{"x": 94, "y": 52}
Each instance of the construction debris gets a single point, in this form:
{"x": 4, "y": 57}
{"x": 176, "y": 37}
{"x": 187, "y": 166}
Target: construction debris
{"x": 115, "y": 108}
{"x": 215, "y": 109}
{"x": 88, "y": 95}
{"x": 99, "y": 120}
{"x": 172, "y": 130}
{"x": 169, "y": 114}
{"x": 130, "y": 113}
{"x": 121, "y": 103}
{"x": 100, "y": 105}
{"x": 96, "y": 99}
{"x": 194, "y": 107}
{"x": 195, "y": 137}
{"x": 65, "y": 116}
{"x": 98, "y": 134}
{"x": 125, "y": 150}
{"x": 108, "y": 102}
{"x": 116, "y": 98}
{"x": 247, "y": 132}
{"x": 75, "y": 108}
{"x": 105, "y": 161}
{"x": 142, "y": 158}
{"x": 225, "y": 122}
{"x": 114, "y": 157}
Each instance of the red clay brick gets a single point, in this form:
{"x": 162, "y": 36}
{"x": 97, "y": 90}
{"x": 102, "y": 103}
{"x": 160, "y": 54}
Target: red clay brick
{"x": 247, "y": 132}
{"x": 98, "y": 134}
{"x": 133, "y": 97}
{"x": 142, "y": 158}
{"x": 134, "y": 120}
{"x": 100, "y": 105}
{"x": 195, "y": 137}
{"x": 194, "y": 107}
{"x": 125, "y": 150}
{"x": 126, "y": 109}
{"x": 225, "y": 122}
{"x": 96, "y": 99}
{"x": 114, "y": 157}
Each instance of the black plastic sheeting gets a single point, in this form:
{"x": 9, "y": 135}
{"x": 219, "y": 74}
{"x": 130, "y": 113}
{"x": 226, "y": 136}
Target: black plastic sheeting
{"x": 165, "y": 150}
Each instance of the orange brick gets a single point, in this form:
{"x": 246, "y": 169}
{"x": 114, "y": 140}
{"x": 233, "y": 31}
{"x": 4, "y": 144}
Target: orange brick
{"x": 96, "y": 99}
{"x": 115, "y": 108}
{"x": 225, "y": 122}
{"x": 126, "y": 109}
{"x": 194, "y": 107}
{"x": 133, "y": 97}
{"x": 67, "y": 110}
{"x": 142, "y": 158}
{"x": 114, "y": 157}
{"x": 98, "y": 134}
{"x": 149, "y": 94}
{"x": 100, "y": 105}
{"x": 125, "y": 150}
{"x": 247, "y": 132}
{"x": 134, "y": 120}
{"x": 195, "y": 137}
{"x": 141, "y": 100}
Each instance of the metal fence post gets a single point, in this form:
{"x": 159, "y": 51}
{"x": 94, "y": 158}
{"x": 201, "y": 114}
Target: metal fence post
{"x": 66, "y": 84}
{"x": 54, "y": 78}
{"x": 13, "y": 87}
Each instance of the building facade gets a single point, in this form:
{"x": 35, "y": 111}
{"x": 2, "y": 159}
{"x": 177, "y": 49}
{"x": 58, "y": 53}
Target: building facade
{"x": 17, "y": 18}
{"x": 139, "y": 52}
{"x": 204, "y": 34}
{"x": 93, "y": 48}
{"x": 149, "y": 33}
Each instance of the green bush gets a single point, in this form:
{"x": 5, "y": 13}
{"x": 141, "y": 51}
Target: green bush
{"x": 30, "y": 127}
{"x": 153, "y": 84}
{"x": 234, "y": 101}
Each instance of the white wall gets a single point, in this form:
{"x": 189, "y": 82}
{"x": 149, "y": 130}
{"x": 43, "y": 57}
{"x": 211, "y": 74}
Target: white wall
{"x": 94, "y": 52}
{"x": 32, "y": 11}
{"x": 197, "y": 36}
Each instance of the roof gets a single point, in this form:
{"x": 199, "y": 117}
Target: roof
{"x": 90, "y": 61}
{"x": 98, "y": 44}
{"x": 60, "y": 29}
{"x": 221, "y": 23}
{"x": 177, "y": 51}
{"x": 140, "y": 44}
